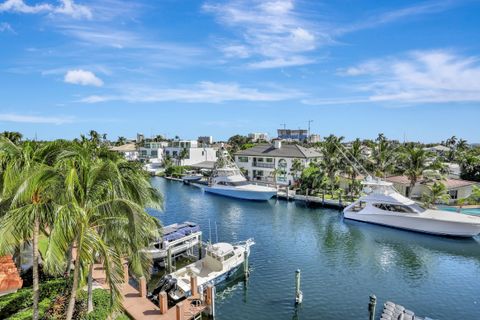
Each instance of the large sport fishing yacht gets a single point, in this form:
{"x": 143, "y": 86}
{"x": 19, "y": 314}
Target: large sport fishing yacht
{"x": 227, "y": 180}
{"x": 383, "y": 205}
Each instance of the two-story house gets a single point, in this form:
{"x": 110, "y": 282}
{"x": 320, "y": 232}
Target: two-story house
{"x": 261, "y": 161}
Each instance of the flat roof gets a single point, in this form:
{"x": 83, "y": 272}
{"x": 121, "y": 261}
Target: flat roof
{"x": 286, "y": 150}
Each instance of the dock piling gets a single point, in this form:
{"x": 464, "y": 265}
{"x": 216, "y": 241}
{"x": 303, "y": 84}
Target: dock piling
{"x": 371, "y": 307}
{"x": 200, "y": 247}
{"x": 211, "y": 301}
{"x": 143, "y": 287}
{"x": 169, "y": 260}
{"x": 245, "y": 264}
{"x": 298, "y": 292}
{"x": 163, "y": 302}
{"x": 125, "y": 273}
{"x": 193, "y": 285}
{"x": 179, "y": 311}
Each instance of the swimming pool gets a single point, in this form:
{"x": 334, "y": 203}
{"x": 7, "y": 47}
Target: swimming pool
{"x": 475, "y": 211}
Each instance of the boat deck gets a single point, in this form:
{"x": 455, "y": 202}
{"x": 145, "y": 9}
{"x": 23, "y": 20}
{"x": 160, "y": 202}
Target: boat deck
{"x": 139, "y": 307}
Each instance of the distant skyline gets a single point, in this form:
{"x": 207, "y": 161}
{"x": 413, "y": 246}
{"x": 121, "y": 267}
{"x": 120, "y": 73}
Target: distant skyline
{"x": 408, "y": 69}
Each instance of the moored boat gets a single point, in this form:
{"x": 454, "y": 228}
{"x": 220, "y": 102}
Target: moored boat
{"x": 383, "y": 205}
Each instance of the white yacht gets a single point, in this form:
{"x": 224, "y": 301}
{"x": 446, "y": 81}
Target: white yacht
{"x": 221, "y": 262}
{"x": 383, "y": 205}
{"x": 227, "y": 180}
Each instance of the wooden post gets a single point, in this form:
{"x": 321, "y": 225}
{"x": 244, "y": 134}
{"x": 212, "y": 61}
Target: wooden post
{"x": 211, "y": 300}
{"x": 179, "y": 311}
{"x": 193, "y": 285}
{"x": 163, "y": 302}
{"x": 143, "y": 287}
{"x": 125, "y": 273}
{"x": 371, "y": 307}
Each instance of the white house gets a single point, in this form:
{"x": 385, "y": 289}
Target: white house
{"x": 152, "y": 150}
{"x": 193, "y": 154}
{"x": 457, "y": 188}
{"x": 129, "y": 151}
{"x": 260, "y": 161}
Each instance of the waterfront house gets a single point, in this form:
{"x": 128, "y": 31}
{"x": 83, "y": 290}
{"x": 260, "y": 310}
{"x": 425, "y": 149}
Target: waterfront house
{"x": 260, "y": 161}
{"x": 152, "y": 151}
{"x": 190, "y": 152}
{"x": 129, "y": 151}
{"x": 457, "y": 188}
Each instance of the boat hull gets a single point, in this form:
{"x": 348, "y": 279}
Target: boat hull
{"x": 418, "y": 224}
{"x": 242, "y": 194}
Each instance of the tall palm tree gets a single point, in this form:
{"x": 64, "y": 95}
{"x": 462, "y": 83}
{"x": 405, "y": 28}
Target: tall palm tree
{"x": 121, "y": 141}
{"x": 355, "y": 156}
{"x": 383, "y": 157}
{"x": 30, "y": 190}
{"x": 104, "y": 201}
{"x": 414, "y": 163}
{"x": 332, "y": 159}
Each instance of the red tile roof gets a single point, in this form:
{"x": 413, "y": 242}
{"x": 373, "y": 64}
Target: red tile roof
{"x": 9, "y": 278}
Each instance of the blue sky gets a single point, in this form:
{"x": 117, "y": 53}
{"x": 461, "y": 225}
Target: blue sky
{"x": 176, "y": 67}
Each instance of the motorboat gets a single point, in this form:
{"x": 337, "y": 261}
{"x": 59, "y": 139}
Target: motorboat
{"x": 221, "y": 262}
{"x": 383, "y": 205}
{"x": 227, "y": 180}
{"x": 177, "y": 238}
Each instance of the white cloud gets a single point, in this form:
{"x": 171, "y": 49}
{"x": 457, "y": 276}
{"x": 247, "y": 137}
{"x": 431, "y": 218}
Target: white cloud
{"x": 4, "y": 26}
{"x": 11, "y": 117}
{"x": 419, "y": 77}
{"x": 83, "y": 77}
{"x": 66, "y": 7}
{"x": 270, "y": 30}
{"x": 202, "y": 92}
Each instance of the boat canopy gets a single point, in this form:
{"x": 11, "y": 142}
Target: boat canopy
{"x": 178, "y": 231}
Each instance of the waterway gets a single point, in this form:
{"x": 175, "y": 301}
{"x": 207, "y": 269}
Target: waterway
{"x": 341, "y": 262}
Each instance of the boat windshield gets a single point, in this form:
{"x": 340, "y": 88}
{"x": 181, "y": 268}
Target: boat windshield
{"x": 413, "y": 208}
{"x": 233, "y": 183}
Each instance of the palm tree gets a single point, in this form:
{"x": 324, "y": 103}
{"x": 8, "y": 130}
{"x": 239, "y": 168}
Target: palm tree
{"x": 355, "y": 156}
{"x": 437, "y": 192}
{"x": 383, "y": 157}
{"x": 296, "y": 169}
{"x": 184, "y": 154}
{"x": 13, "y": 136}
{"x": 121, "y": 141}
{"x": 30, "y": 190}
{"x": 450, "y": 142}
{"x": 331, "y": 158}
{"x": 103, "y": 203}
{"x": 276, "y": 173}
{"x": 414, "y": 163}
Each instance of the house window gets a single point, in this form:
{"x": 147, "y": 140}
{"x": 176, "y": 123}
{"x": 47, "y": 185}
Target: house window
{"x": 175, "y": 153}
{"x": 203, "y": 153}
{"x": 282, "y": 163}
{"x": 269, "y": 160}
{"x": 260, "y": 159}
{"x": 242, "y": 159}
{"x": 453, "y": 194}
{"x": 154, "y": 153}
{"x": 167, "y": 153}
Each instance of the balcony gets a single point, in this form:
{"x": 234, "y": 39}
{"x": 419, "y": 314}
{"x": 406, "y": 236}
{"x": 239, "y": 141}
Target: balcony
{"x": 264, "y": 165}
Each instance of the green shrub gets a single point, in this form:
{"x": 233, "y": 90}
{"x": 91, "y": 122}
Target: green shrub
{"x": 101, "y": 305}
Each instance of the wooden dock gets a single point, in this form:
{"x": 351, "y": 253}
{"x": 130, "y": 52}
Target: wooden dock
{"x": 138, "y": 306}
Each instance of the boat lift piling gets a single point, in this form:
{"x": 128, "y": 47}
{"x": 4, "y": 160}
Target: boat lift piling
{"x": 210, "y": 301}
{"x": 371, "y": 307}
{"x": 298, "y": 292}
{"x": 246, "y": 270}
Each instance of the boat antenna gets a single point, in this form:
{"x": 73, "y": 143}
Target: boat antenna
{"x": 216, "y": 231}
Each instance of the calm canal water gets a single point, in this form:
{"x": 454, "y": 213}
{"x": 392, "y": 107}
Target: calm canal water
{"x": 342, "y": 262}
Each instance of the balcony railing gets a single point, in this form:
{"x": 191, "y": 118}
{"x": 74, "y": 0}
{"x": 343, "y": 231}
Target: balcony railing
{"x": 264, "y": 165}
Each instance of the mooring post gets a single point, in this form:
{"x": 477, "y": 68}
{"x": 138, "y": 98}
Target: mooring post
{"x": 211, "y": 301}
{"x": 245, "y": 263}
{"x": 143, "y": 287}
{"x": 163, "y": 302}
{"x": 371, "y": 307}
{"x": 193, "y": 285}
{"x": 125, "y": 273}
{"x": 179, "y": 311}
{"x": 298, "y": 292}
